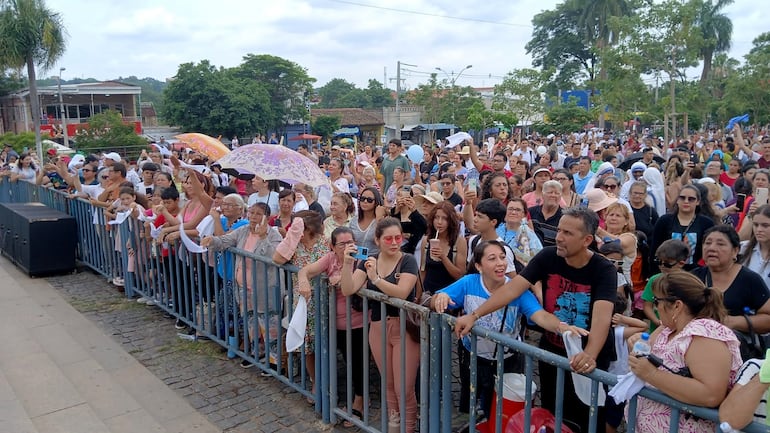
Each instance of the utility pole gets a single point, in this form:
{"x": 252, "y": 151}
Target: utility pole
{"x": 398, "y": 96}
{"x": 63, "y": 112}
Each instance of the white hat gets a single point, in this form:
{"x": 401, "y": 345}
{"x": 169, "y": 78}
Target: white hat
{"x": 604, "y": 168}
{"x": 541, "y": 150}
{"x": 113, "y": 156}
{"x": 77, "y": 160}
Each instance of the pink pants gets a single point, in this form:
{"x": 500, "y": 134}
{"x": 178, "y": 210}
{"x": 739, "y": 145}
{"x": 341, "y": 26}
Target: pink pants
{"x": 390, "y": 362}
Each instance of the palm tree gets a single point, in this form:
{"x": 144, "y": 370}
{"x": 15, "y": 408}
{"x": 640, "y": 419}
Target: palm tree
{"x": 595, "y": 19}
{"x": 717, "y": 30}
{"x": 30, "y": 35}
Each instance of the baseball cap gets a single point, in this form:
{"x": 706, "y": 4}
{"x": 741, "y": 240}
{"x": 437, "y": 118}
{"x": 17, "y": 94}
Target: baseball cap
{"x": 541, "y": 170}
{"x": 113, "y": 156}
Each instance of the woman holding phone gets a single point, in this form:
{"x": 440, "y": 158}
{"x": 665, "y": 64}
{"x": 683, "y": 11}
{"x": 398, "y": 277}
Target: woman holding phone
{"x": 259, "y": 238}
{"x": 393, "y": 273}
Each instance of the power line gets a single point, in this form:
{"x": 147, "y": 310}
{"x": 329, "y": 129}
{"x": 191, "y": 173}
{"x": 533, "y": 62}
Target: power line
{"x": 427, "y": 14}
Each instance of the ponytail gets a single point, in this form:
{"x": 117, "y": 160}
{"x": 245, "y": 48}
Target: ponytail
{"x": 713, "y": 306}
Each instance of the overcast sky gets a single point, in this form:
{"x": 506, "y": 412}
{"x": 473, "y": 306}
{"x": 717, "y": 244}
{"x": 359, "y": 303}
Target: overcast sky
{"x": 330, "y": 38}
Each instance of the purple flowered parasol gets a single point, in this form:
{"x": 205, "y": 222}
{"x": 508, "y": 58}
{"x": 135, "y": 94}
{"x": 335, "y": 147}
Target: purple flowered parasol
{"x": 270, "y": 161}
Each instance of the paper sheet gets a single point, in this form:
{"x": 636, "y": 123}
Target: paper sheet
{"x": 120, "y": 217}
{"x": 188, "y": 243}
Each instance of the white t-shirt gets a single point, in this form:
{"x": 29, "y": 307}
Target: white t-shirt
{"x": 748, "y": 370}
{"x": 271, "y": 199}
{"x": 94, "y": 191}
{"x": 342, "y": 184}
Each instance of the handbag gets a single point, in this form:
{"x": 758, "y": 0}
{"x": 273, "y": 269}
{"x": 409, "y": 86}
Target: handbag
{"x": 422, "y": 298}
{"x": 753, "y": 345}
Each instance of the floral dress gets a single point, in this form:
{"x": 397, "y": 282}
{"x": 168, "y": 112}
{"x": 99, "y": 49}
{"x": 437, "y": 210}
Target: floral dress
{"x": 655, "y": 417}
{"x": 303, "y": 257}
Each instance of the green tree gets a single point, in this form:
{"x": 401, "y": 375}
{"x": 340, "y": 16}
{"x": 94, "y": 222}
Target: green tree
{"x": 333, "y": 91}
{"x": 595, "y": 20}
{"x": 19, "y": 141}
{"x": 519, "y": 94}
{"x": 31, "y": 35}
{"x": 286, "y": 84}
{"x": 107, "y": 131}
{"x": 213, "y": 101}
{"x": 378, "y": 95}
{"x": 562, "y": 118}
{"x": 716, "y": 30}
{"x": 325, "y": 125}
{"x": 558, "y": 44}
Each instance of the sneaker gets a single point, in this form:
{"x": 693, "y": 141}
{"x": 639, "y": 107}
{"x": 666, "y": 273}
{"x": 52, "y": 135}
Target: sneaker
{"x": 143, "y": 300}
{"x": 246, "y": 364}
{"x": 118, "y": 281}
{"x": 150, "y": 302}
{"x": 179, "y": 324}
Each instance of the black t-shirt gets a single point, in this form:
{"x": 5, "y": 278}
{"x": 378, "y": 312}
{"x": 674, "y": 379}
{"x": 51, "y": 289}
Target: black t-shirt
{"x": 747, "y": 290}
{"x": 455, "y": 199}
{"x": 545, "y": 229}
{"x": 645, "y": 219}
{"x": 425, "y": 168}
{"x": 408, "y": 266}
{"x": 318, "y": 208}
{"x": 570, "y": 293}
{"x": 668, "y": 227}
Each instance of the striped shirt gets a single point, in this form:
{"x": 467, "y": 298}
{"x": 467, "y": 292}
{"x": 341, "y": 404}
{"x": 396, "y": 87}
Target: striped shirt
{"x": 748, "y": 370}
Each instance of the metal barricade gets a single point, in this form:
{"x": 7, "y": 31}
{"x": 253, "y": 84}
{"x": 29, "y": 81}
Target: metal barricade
{"x": 202, "y": 291}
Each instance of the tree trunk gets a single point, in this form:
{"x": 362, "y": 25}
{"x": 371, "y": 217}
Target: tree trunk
{"x": 707, "y": 58}
{"x": 34, "y": 104}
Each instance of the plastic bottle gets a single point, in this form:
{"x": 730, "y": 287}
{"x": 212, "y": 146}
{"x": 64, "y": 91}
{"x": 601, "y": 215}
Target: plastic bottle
{"x": 642, "y": 345}
{"x": 725, "y": 427}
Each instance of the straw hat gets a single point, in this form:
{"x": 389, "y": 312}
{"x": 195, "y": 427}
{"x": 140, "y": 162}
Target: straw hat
{"x": 598, "y": 199}
{"x": 433, "y": 197}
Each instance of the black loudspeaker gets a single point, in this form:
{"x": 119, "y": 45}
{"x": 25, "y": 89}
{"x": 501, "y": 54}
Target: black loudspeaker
{"x": 38, "y": 239}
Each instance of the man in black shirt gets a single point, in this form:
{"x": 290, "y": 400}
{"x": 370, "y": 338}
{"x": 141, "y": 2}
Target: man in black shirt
{"x": 579, "y": 287}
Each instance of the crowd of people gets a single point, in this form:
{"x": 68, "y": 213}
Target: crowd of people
{"x": 589, "y": 232}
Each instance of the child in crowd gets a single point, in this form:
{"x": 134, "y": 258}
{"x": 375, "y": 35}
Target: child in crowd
{"x": 623, "y": 327}
{"x": 670, "y": 256}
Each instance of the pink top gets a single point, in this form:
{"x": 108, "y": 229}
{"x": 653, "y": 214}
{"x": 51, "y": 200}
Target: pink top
{"x": 333, "y": 269}
{"x": 249, "y": 245}
{"x": 532, "y": 200}
{"x": 655, "y": 417}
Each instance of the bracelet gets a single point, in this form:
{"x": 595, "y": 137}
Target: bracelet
{"x": 475, "y": 315}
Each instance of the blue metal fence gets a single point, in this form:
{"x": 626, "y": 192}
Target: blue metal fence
{"x": 251, "y": 325}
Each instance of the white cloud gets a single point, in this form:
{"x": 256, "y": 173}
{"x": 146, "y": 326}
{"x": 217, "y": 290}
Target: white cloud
{"x": 331, "y": 38}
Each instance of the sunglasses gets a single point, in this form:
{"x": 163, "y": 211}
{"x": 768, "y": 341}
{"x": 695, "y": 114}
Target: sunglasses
{"x": 366, "y": 199}
{"x": 688, "y": 199}
{"x": 105, "y": 177}
{"x": 393, "y": 239}
{"x": 666, "y": 265}
{"x": 611, "y": 186}
{"x": 656, "y": 300}
{"x": 88, "y": 169}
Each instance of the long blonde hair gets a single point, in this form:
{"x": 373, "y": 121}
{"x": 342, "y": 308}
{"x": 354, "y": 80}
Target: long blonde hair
{"x": 622, "y": 210}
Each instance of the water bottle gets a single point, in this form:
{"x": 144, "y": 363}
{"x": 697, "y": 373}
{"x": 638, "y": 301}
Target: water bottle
{"x": 642, "y": 346}
{"x": 725, "y": 427}
{"x": 232, "y": 343}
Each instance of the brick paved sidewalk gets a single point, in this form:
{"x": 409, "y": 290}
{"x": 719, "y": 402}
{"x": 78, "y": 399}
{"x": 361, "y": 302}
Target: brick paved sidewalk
{"x": 234, "y": 399}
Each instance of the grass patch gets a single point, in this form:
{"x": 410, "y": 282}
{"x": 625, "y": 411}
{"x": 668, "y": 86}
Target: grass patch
{"x": 200, "y": 348}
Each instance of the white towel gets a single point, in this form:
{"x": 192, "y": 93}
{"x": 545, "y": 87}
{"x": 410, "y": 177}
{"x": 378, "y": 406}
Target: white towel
{"x": 574, "y": 345}
{"x": 628, "y": 386}
{"x": 457, "y": 138}
{"x": 295, "y": 335}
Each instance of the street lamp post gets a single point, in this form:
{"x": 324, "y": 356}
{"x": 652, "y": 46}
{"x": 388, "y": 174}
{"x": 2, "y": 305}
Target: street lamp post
{"x": 63, "y": 111}
{"x": 452, "y": 80}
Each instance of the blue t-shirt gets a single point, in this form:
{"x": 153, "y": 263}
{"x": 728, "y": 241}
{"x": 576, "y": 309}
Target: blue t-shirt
{"x": 225, "y": 258}
{"x": 582, "y": 182}
{"x": 469, "y": 293}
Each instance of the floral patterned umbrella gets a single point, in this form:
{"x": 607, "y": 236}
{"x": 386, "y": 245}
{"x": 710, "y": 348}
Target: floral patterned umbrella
{"x": 204, "y": 144}
{"x": 270, "y": 161}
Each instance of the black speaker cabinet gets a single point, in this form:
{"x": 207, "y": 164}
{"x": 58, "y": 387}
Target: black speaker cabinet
{"x": 38, "y": 239}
